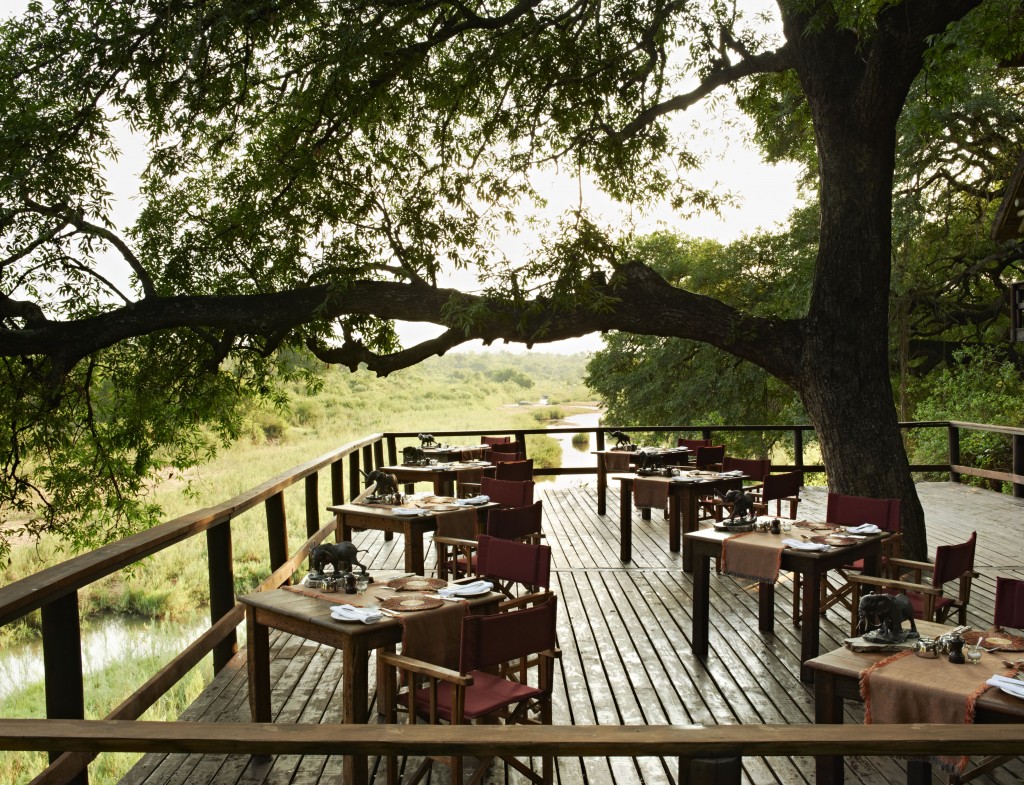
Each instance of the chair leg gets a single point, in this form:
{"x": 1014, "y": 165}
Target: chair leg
{"x": 797, "y": 588}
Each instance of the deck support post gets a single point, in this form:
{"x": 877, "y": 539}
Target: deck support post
{"x": 710, "y": 771}
{"x": 220, "y": 561}
{"x": 62, "y": 666}
{"x": 337, "y": 483}
{"x": 277, "y": 530}
{"x": 312, "y": 504}
{"x": 954, "y": 452}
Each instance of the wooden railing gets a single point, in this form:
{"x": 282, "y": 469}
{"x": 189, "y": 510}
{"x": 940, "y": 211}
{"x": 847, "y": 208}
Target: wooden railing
{"x": 54, "y": 591}
{"x": 711, "y": 755}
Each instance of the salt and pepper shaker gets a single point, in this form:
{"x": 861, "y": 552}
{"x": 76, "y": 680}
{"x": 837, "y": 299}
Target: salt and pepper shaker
{"x": 775, "y": 526}
{"x": 350, "y": 583}
{"x": 956, "y": 650}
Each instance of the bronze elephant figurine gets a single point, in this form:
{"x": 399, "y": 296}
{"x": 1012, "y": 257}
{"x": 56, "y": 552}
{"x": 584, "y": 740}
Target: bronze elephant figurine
{"x": 336, "y": 554}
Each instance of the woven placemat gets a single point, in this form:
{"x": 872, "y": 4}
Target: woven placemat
{"x": 415, "y": 603}
{"x": 1000, "y": 640}
{"x": 417, "y": 583}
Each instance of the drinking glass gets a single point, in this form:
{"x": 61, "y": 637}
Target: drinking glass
{"x": 362, "y": 581}
{"x": 786, "y": 526}
{"x": 974, "y": 653}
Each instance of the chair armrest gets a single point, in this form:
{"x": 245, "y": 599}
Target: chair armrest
{"x": 534, "y": 598}
{"x": 870, "y": 580}
{"x": 423, "y": 668}
{"x": 456, "y": 541}
{"x": 924, "y": 566}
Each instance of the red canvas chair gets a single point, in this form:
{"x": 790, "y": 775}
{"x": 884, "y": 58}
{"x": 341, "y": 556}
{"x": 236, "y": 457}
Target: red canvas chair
{"x": 499, "y": 669}
{"x": 930, "y": 603}
{"x": 509, "y": 562}
{"x": 1009, "y": 603}
{"x": 508, "y": 493}
{"x": 514, "y": 470}
{"x": 844, "y": 510}
{"x": 456, "y": 538}
{"x": 492, "y": 440}
{"x": 710, "y": 458}
{"x": 779, "y": 488}
{"x": 692, "y": 445}
{"x": 756, "y": 469}
{"x": 498, "y": 451}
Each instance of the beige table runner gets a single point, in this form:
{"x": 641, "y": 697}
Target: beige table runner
{"x": 754, "y": 555}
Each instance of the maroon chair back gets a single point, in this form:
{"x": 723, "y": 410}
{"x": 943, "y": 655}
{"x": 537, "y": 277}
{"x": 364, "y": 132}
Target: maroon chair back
{"x": 493, "y": 440}
{"x": 508, "y": 446}
{"x": 509, "y": 560}
{"x": 508, "y": 493}
{"x": 708, "y": 456}
{"x": 855, "y": 510}
{"x": 514, "y": 470}
{"x": 755, "y": 468}
{"x": 498, "y": 458}
{"x": 1009, "y": 603}
{"x": 952, "y": 561}
{"x": 782, "y": 486}
{"x": 693, "y": 444}
{"x": 515, "y": 523}
{"x": 500, "y": 637}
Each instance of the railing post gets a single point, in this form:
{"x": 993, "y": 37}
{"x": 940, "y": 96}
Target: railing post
{"x": 705, "y": 433}
{"x": 954, "y": 451}
{"x": 62, "y": 665}
{"x": 368, "y": 457}
{"x": 355, "y": 484}
{"x": 220, "y": 561}
{"x": 392, "y": 451}
{"x": 798, "y": 448}
{"x": 277, "y": 530}
{"x": 378, "y": 453}
{"x": 312, "y": 504}
{"x": 710, "y": 771}
{"x": 337, "y": 483}
{"x": 1018, "y": 464}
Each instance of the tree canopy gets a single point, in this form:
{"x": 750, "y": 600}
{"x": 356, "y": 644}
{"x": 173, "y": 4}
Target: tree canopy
{"x": 311, "y": 167}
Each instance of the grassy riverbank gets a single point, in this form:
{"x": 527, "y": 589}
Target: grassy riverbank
{"x": 459, "y": 392}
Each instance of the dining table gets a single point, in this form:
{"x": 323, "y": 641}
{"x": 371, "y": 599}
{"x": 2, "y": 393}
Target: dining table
{"x": 684, "y": 492}
{"x": 708, "y": 546}
{"x": 613, "y": 461}
{"x": 413, "y": 521}
{"x": 442, "y": 476}
{"x": 307, "y": 613}
{"x": 838, "y": 677}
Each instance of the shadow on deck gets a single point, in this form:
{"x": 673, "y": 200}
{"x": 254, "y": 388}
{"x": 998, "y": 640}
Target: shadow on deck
{"x": 624, "y": 632}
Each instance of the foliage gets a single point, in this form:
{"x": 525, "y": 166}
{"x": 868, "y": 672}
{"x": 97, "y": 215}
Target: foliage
{"x": 981, "y": 387}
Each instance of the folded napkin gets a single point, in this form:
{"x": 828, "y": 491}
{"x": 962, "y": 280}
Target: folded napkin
{"x": 466, "y": 589}
{"x": 408, "y": 511}
{"x": 864, "y": 528}
{"x": 799, "y": 545}
{"x": 1008, "y": 685}
{"x": 733, "y": 473}
{"x": 352, "y": 613}
{"x": 481, "y": 499}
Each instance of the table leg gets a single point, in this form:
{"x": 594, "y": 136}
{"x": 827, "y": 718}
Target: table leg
{"x": 766, "y": 606}
{"x": 413, "y": 550}
{"x": 355, "y": 711}
{"x": 809, "y": 631}
{"x": 258, "y": 666}
{"x": 674, "y": 526}
{"x": 828, "y": 710}
{"x": 602, "y": 485}
{"x": 919, "y": 772}
{"x": 626, "y": 523}
{"x": 701, "y": 606}
{"x": 688, "y": 522}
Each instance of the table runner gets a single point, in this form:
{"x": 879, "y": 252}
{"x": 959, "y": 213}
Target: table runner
{"x": 753, "y": 555}
{"x": 616, "y": 461}
{"x": 906, "y": 689}
{"x": 650, "y": 492}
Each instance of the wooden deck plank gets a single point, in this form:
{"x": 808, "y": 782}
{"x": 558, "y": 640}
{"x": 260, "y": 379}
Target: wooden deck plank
{"x": 624, "y": 630}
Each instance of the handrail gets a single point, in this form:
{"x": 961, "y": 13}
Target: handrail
{"x": 54, "y": 589}
{"x": 687, "y": 742}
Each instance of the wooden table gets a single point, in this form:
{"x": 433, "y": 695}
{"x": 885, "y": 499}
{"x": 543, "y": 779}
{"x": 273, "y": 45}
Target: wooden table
{"x": 310, "y": 617}
{"x": 837, "y": 676}
{"x": 443, "y": 476}
{"x": 706, "y": 546}
{"x": 682, "y": 510}
{"x": 455, "y": 454}
{"x": 680, "y": 455}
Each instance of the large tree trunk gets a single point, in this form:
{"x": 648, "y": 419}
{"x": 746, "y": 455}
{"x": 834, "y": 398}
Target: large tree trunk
{"x": 843, "y": 370}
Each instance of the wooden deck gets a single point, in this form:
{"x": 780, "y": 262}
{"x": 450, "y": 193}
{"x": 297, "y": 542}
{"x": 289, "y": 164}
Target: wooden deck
{"x": 624, "y": 631}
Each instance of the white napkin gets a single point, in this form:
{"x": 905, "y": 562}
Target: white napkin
{"x": 1010, "y": 686}
{"x": 352, "y": 613}
{"x": 466, "y": 589}
{"x": 733, "y": 473}
{"x": 475, "y": 500}
{"x": 864, "y": 528}
{"x": 799, "y": 545}
{"x": 406, "y": 511}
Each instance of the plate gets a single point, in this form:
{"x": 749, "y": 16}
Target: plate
{"x": 836, "y": 540}
{"x": 417, "y": 603}
{"x": 743, "y": 527}
{"x": 417, "y": 583}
